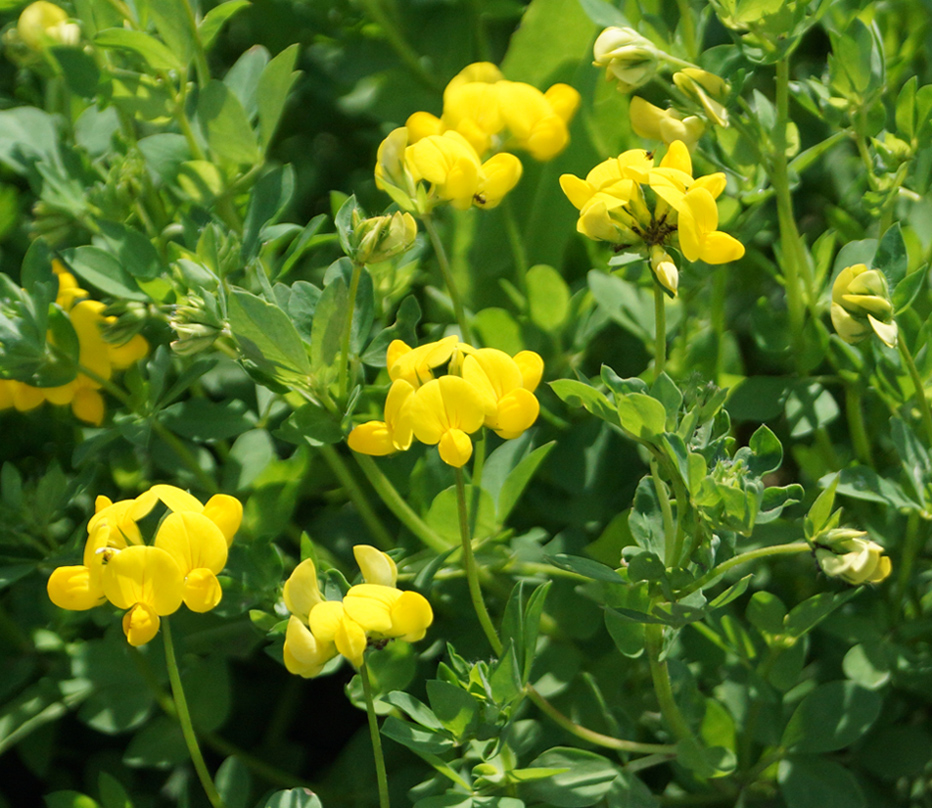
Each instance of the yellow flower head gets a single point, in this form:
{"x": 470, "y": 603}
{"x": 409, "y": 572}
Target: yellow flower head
{"x": 416, "y": 365}
{"x": 376, "y": 610}
{"x": 698, "y": 234}
{"x": 861, "y": 305}
{"x": 666, "y": 125}
{"x": 446, "y": 411}
{"x": 182, "y": 564}
{"x": 851, "y": 557}
{"x": 394, "y": 434}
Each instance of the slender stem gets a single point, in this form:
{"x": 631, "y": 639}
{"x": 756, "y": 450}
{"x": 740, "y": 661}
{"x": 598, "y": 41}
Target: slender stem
{"x": 394, "y": 502}
{"x": 184, "y": 719}
{"x": 921, "y": 401}
{"x": 660, "y": 331}
{"x": 717, "y": 315}
{"x": 669, "y": 531}
{"x": 469, "y": 565}
{"x": 380, "y": 772}
{"x": 795, "y": 268}
{"x": 662, "y": 686}
{"x": 912, "y": 544}
{"x": 855, "y": 414}
{"x": 200, "y": 58}
{"x": 743, "y": 558}
{"x": 597, "y": 738}
{"x": 444, "y": 264}
{"x": 380, "y": 535}
{"x": 348, "y": 329}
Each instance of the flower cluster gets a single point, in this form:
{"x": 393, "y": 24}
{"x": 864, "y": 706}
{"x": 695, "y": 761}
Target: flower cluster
{"x": 613, "y": 203}
{"x": 370, "y": 613}
{"x": 151, "y": 580}
{"x": 861, "y": 305}
{"x": 97, "y": 355}
{"x": 482, "y": 387}
{"x": 463, "y": 153}
{"x": 846, "y": 554}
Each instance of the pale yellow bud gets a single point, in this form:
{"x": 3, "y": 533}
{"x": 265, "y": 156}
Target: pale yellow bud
{"x": 664, "y": 269}
{"x": 861, "y": 305}
{"x": 629, "y": 58}
{"x": 846, "y": 554}
{"x": 707, "y": 89}
{"x": 384, "y": 237}
{"x": 42, "y": 24}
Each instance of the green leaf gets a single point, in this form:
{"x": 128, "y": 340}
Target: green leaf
{"x": 233, "y": 783}
{"x": 767, "y": 451}
{"x": 266, "y": 335}
{"x": 517, "y": 480}
{"x": 604, "y": 14}
{"x": 867, "y": 664}
{"x": 274, "y": 85}
{"x": 312, "y": 423}
{"x": 904, "y": 293}
{"x": 203, "y": 420}
{"x": 645, "y": 519}
{"x": 293, "y": 798}
{"x": 906, "y": 109}
{"x": 69, "y": 799}
{"x": 456, "y": 709}
{"x": 443, "y": 515}
{"x": 807, "y": 615}
{"x": 580, "y": 394}
{"x": 821, "y": 509}
{"x": 415, "y": 708}
{"x": 758, "y": 398}
{"x": 862, "y": 482}
{"x": 641, "y": 415}
{"x": 891, "y": 257}
{"x": 174, "y": 22}
{"x": 133, "y": 250}
{"x": 808, "y": 408}
{"x": 416, "y": 738}
{"x": 155, "y": 53}
{"x": 630, "y": 307}
{"x": 766, "y": 613}
{"x": 818, "y": 783}
{"x": 104, "y": 272}
{"x": 586, "y": 567}
{"x": 216, "y": 18}
{"x": 112, "y": 793}
{"x": 78, "y": 68}
{"x": 586, "y": 779}
{"x": 327, "y": 328}
{"x": 225, "y": 125}
{"x": 267, "y": 201}
{"x": 548, "y": 297}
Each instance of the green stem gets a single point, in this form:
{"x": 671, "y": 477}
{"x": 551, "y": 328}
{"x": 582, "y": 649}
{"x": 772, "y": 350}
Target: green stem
{"x": 717, "y": 313}
{"x": 912, "y": 544}
{"x": 597, "y": 738}
{"x": 380, "y": 535}
{"x": 921, "y": 401}
{"x": 184, "y": 719}
{"x": 660, "y": 331}
{"x": 393, "y": 501}
{"x": 200, "y": 57}
{"x": 348, "y": 330}
{"x": 380, "y": 772}
{"x": 743, "y": 558}
{"x": 795, "y": 267}
{"x": 669, "y": 530}
{"x": 660, "y": 674}
{"x": 443, "y": 262}
{"x": 855, "y": 415}
{"x": 469, "y": 565}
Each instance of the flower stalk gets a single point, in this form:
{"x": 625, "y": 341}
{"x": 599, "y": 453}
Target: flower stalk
{"x": 444, "y": 263}
{"x": 184, "y": 719}
{"x": 921, "y": 401}
{"x": 380, "y": 773}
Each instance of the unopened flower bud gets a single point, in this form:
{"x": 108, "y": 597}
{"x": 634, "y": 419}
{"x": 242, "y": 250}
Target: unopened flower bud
{"x": 664, "y": 269}
{"x": 846, "y": 554}
{"x": 666, "y": 125}
{"x": 392, "y": 174}
{"x": 861, "y": 305}
{"x": 707, "y": 89}
{"x": 382, "y": 237}
{"x": 42, "y": 24}
{"x": 629, "y": 58}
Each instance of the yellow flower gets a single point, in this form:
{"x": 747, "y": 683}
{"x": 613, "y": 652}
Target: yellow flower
{"x": 416, "y": 365}
{"x": 629, "y": 58}
{"x": 120, "y": 568}
{"x": 375, "y": 611}
{"x": 861, "y": 305}
{"x": 698, "y": 234}
{"x": 394, "y": 434}
{"x": 538, "y": 122}
{"x": 446, "y": 411}
{"x": 854, "y": 559}
{"x": 707, "y": 89}
{"x": 393, "y": 174}
{"x": 147, "y": 582}
{"x": 666, "y": 125}
{"x": 509, "y": 403}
